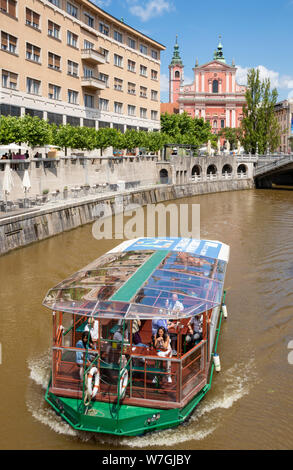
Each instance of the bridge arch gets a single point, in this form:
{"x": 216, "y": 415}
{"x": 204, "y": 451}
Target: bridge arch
{"x": 196, "y": 171}
{"x": 212, "y": 170}
{"x": 242, "y": 169}
{"x": 227, "y": 169}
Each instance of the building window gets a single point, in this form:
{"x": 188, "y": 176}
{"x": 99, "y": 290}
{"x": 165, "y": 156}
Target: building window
{"x": 154, "y": 115}
{"x": 118, "y": 84}
{"x": 118, "y": 107}
{"x": 154, "y": 75}
{"x": 215, "y": 86}
{"x": 118, "y": 60}
{"x": 89, "y": 101}
{"x": 131, "y": 88}
{"x": 9, "y": 79}
{"x": 33, "y": 86}
{"x": 72, "y": 39}
{"x": 88, "y": 45}
{"x": 155, "y": 54}
{"x": 72, "y": 68}
{"x": 8, "y": 6}
{"x": 154, "y": 95}
{"x": 34, "y": 112}
{"x": 54, "y": 92}
{"x": 89, "y": 123}
{"x": 53, "y": 30}
{"x": 143, "y": 113}
{"x": 71, "y": 10}
{"x": 33, "y": 53}
{"x": 72, "y": 97}
{"x": 54, "y": 118}
{"x": 118, "y": 36}
{"x": 143, "y": 92}
{"x": 8, "y": 42}
{"x": 106, "y": 54}
{"x": 143, "y": 49}
{"x": 131, "y": 66}
{"x": 32, "y": 18}
{"x": 143, "y": 71}
{"x": 54, "y": 61}
{"x": 88, "y": 72}
{"x": 177, "y": 74}
{"x": 131, "y": 110}
{"x": 104, "y": 29}
{"x": 73, "y": 121}
{"x": 103, "y": 104}
{"x": 89, "y": 20}
{"x": 132, "y": 43}
{"x": 222, "y": 123}
{"x": 215, "y": 124}
{"x": 55, "y": 2}
{"x": 104, "y": 78}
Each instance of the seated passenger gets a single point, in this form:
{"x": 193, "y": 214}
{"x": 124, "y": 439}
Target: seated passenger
{"x": 194, "y": 330}
{"x": 93, "y": 327}
{"x": 83, "y": 343}
{"x": 162, "y": 341}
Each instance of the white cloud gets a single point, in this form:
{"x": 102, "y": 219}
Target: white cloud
{"x": 164, "y": 83}
{"x": 147, "y": 9}
{"x": 283, "y": 82}
{"x": 102, "y": 3}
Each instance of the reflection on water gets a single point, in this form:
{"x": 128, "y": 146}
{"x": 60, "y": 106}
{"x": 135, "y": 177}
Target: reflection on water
{"x": 249, "y": 398}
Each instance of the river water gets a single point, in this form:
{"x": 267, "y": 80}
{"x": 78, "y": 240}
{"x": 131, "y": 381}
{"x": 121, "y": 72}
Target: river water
{"x": 250, "y": 405}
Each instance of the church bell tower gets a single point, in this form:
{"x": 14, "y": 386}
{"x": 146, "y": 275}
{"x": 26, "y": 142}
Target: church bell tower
{"x": 176, "y": 74}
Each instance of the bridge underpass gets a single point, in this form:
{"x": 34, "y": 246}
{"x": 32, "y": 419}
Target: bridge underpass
{"x": 275, "y": 174}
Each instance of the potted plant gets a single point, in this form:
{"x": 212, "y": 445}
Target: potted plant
{"x": 45, "y": 194}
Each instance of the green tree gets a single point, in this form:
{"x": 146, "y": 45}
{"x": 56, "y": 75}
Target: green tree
{"x": 183, "y": 129}
{"x": 259, "y": 125}
{"x": 36, "y": 131}
{"x": 231, "y": 135}
{"x": 11, "y": 130}
{"x": 106, "y": 137}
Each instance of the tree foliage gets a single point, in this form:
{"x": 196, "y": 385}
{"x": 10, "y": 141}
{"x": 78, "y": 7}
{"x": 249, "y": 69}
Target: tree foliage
{"x": 259, "y": 125}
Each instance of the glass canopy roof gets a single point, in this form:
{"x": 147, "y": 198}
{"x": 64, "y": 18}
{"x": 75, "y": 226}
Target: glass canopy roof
{"x": 143, "y": 283}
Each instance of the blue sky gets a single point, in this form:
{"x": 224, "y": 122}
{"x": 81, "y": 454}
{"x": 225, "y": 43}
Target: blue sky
{"x": 255, "y": 33}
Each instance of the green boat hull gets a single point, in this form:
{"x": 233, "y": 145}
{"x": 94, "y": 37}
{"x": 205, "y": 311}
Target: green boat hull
{"x": 105, "y": 418}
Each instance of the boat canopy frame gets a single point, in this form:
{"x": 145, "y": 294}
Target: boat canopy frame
{"x": 146, "y": 280}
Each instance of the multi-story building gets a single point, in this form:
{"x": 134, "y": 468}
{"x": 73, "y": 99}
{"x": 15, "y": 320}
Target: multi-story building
{"x": 284, "y": 113}
{"x": 214, "y": 95}
{"x": 69, "y": 61}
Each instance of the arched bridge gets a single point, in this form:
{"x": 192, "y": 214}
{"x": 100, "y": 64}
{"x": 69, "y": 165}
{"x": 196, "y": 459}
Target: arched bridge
{"x": 274, "y": 172}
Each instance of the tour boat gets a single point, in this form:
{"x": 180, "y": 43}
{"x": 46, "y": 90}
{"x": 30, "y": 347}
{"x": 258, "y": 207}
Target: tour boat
{"x": 135, "y": 335}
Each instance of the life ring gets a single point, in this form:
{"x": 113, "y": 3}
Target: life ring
{"x": 123, "y": 383}
{"x": 93, "y": 390}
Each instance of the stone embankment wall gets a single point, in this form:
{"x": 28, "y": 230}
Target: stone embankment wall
{"x": 21, "y": 230}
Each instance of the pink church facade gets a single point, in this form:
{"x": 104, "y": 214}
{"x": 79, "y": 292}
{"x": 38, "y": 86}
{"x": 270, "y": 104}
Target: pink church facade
{"x": 214, "y": 94}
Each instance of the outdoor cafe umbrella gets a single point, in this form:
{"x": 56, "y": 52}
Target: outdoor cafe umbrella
{"x": 26, "y": 184}
{"x": 7, "y": 181}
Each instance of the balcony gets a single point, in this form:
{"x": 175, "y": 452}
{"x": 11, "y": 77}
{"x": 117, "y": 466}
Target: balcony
{"x": 93, "y": 57}
{"x": 92, "y": 83}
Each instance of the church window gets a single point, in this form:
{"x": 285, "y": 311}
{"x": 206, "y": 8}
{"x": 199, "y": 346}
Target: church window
{"x": 215, "y": 86}
{"x": 177, "y": 74}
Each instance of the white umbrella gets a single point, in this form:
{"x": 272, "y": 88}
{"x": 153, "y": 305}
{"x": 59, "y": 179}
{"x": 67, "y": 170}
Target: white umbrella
{"x": 7, "y": 181}
{"x": 209, "y": 147}
{"x": 26, "y": 184}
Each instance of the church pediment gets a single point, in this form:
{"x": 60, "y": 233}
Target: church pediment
{"x": 215, "y": 64}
